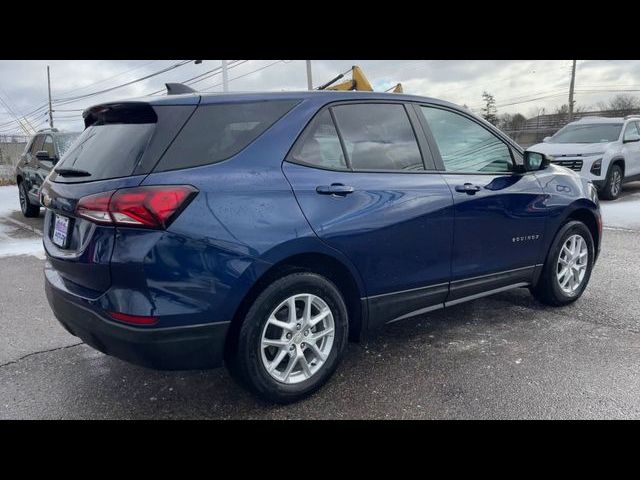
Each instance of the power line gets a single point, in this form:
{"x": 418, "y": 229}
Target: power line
{"x": 525, "y": 97}
{"x": 84, "y": 87}
{"x": 246, "y": 74}
{"x": 209, "y": 74}
{"x": 234, "y": 64}
{"x": 15, "y": 117}
{"x": 64, "y": 101}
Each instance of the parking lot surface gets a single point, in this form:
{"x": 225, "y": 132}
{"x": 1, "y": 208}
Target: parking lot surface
{"x": 505, "y": 356}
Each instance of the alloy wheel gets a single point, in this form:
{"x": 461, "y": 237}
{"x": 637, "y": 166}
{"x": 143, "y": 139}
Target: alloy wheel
{"x": 297, "y": 338}
{"x": 616, "y": 183}
{"x": 572, "y": 264}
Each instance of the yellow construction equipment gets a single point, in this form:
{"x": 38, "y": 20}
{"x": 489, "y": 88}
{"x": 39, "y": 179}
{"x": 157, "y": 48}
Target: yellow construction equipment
{"x": 358, "y": 82}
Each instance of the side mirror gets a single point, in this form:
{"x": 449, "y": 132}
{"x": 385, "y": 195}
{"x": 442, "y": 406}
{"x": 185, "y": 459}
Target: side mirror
{"x": 43, "y": 155}
{"x": 546, "y": 139}
{"x": 535, "y": 161}
{"x": 634, "y": 137}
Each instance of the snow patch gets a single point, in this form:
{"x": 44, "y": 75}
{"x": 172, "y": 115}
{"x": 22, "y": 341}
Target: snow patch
{"x": 10, "y": 243}
{"x": 622, "y": 213}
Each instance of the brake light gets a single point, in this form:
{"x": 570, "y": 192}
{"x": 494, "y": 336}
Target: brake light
{"x": 148, "y": 207}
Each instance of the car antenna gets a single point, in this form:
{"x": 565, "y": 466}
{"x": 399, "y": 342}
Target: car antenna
{"x": 178, "y": 88}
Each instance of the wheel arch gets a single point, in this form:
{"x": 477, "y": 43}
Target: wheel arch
{"x": 321, "y": 263}
{"x": 587, "y": 216}
{"x": 616, "y": 161}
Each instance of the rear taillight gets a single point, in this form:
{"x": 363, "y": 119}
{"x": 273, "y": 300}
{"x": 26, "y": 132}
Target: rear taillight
{"x": 148, "y": 207}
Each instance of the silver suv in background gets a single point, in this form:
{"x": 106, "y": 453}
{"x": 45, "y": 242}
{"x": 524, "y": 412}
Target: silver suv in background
{"x": 603, "y": 150}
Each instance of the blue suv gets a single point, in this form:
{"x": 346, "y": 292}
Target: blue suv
{"x": 265, "y": 230}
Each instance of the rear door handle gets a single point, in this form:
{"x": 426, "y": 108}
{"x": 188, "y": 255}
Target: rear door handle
{"x": 468, "y": 188}
{"x": 334, "y": 189}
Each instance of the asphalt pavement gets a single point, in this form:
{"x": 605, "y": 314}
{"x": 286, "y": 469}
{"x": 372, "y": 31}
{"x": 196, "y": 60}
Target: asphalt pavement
{"x": 505, "y": 356}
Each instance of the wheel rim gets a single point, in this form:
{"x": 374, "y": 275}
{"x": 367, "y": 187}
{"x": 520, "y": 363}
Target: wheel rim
{"x": 297, "y": 338}
{"x": 572, "y": 264}
{"x": 616, "y": 183}
{"x": 23, "y": 200}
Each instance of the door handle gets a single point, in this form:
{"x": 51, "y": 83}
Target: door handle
{"x": 334, "y": 189}
{"x": 468, "y": 188}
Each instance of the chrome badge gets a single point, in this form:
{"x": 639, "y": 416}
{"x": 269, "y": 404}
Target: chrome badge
{"x": 526, "y": 238}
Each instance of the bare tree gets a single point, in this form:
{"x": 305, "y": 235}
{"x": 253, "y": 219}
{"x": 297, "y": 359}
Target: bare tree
{"x": 517, "y": 121}
{"x": 624, "y": 103}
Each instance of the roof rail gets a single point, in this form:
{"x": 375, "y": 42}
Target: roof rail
{"x": 631, "y": 116}
{"x": 48, "y": 130}
{"x": 178, "y": 88}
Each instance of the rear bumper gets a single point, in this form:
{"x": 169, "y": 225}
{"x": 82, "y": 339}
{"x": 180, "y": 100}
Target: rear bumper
{"x": 175, "y": 348}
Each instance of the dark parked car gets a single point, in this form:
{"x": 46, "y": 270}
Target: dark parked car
{"x": 42, "y": 152}
{"x": 265, "y": 230}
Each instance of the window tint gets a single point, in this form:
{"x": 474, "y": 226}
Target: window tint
{"x": 320, "y": 145}
{"x": 378, "y": 137}
{"x": 631, "y": 132}
{"x": 108, "y": 151}
{"x": 466, "y": 146}
{"x": 217, "y": 132}
{"x": 48, "y": 146}
{"x": 36, "y": 146}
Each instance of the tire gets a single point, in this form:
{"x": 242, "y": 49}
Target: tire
{"x": 251, "y": 358}
{"x": 28, "y": 210}
{"x": 549, "y": 290}
{"x": 613, "y": 184}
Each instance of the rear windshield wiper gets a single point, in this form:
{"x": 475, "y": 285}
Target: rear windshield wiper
{"x": 72, "y": 172}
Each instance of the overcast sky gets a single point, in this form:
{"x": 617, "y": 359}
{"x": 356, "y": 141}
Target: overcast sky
{"x": 518, "y": 86}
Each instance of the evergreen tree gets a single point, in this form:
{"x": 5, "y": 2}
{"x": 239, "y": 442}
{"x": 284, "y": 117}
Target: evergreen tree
{"x": 489, "y": 111}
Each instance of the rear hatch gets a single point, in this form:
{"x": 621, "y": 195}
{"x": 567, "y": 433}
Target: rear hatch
{"x": 120, "y": 145}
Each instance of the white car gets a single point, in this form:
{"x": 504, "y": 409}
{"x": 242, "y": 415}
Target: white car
{"x": 603, "y": 150}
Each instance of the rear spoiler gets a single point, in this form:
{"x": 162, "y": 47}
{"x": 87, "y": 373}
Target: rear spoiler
{"x": 123, "y": 112}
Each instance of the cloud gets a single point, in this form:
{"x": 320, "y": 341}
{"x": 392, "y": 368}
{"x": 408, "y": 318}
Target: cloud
{"x": 518, "y": 85}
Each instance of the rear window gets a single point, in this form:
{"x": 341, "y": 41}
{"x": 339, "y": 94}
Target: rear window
{"x": 217, "y": 132}
{"x": 108, "y": 150}
{"x": 111, "y": 146}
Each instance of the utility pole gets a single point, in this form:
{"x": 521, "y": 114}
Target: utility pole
{"x": 573, "y": 82}
{"x": 225, "y": 77}
{"x": 309, "y": 79}
{"x": 49, "y": 88}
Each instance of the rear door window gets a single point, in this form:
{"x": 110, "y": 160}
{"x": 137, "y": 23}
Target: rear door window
{"x": 219, "y": 131}
{"x": 48, "y": 147}
{"x": 319, "y": 145}
{"x": 378, "y": 136}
